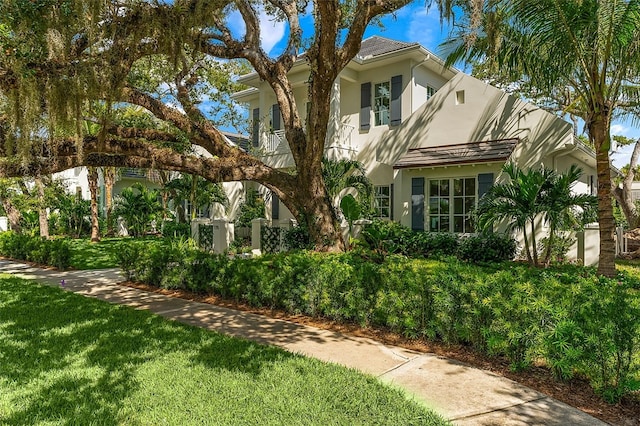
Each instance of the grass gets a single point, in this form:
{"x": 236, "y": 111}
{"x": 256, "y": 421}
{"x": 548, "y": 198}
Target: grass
{"x": 66, "y": 359}
{"x": 88, "y": 255}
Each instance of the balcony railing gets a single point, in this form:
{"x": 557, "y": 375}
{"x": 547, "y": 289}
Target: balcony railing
{"x": 274, "y": 141}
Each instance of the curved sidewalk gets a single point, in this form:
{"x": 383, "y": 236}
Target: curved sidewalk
{"x": 463, "y": 394}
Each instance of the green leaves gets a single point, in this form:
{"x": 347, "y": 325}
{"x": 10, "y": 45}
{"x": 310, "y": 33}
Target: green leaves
{"x": 350, "y": 208}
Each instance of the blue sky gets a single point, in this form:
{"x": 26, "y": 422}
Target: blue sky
{"x": 413, "y": 23}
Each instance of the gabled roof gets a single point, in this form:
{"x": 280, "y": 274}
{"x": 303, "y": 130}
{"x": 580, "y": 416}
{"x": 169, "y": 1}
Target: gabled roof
{"x": 465, "y": 153}
{"x": 376, "y": 46}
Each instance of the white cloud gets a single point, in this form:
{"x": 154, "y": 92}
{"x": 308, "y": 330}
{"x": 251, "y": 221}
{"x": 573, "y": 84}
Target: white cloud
{"x": 619, "y": 129}
{"x": 271, "y": 31}
{"x": 425, "y": 28}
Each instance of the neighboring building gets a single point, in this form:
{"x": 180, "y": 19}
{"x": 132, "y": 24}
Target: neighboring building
{"x": 77, "y": 182}
{"x": 433, "y": 139}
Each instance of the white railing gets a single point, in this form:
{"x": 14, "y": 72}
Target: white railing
{"x": 344, "y": 136}
{"x": 275, "y": 140}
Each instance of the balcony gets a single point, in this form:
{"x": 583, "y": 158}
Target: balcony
{"x": 274, "y": 148}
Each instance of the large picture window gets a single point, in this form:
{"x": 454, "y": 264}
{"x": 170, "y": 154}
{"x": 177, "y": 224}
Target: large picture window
{"x": 381, "y": 102}
{"x": 451, "y": 202}
{"x": 382, "y": 201}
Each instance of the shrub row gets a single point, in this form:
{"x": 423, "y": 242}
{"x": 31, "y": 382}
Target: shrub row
{"x": 56, "y": 252}
{"x": 385, "y": 237}
{"x": 577, "y": 322}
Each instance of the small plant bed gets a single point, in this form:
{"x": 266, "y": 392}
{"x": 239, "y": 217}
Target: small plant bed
{"x": 84, "y": 361}
{"x": 575, "y": 392}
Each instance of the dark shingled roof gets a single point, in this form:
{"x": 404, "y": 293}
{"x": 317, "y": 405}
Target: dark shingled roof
{"x": 465, "y": 153}
{"x": 240, "y": 140}
{"x": 376, "y": 45}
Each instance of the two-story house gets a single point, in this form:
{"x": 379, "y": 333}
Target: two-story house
{"x": 433, "y": 139}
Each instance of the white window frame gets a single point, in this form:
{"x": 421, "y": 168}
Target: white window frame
{"x": 450, "y": 200}
{"x": 381, "y": 116}
{"x": 378, "y": 197}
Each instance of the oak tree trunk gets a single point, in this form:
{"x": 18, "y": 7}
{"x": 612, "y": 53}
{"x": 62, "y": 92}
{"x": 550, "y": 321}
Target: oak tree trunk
{"x": 93, "y": 189}
{"x": 109, "y": 174}
{"x": 42, "y": 209}
{"x": 13, "y": 214}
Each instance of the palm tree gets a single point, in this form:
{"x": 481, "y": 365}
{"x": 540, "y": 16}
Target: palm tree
{"x": 138, "y": 206}
{"x": 197, "y": 190}
{"x": 588, "y": 48}
{"x": 341, "y": 174}
{"x": 561, "y": 207}
{"x": 518, "y": 202}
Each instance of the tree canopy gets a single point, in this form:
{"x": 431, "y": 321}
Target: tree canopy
{"x": 65, "y": 63}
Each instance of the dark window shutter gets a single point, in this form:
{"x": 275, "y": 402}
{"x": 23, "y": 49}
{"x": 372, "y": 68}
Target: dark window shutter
{"x": 396, "y": 100}
{"x": 365, "y": 106}
{"x": 275, "y": 207}
{"x": 485, "y": 182}
{"x": 417, "y": 204}
{"x": 391, "y": 201}
{"x": 275, "y": 117}
{"x": 255, "y": 134}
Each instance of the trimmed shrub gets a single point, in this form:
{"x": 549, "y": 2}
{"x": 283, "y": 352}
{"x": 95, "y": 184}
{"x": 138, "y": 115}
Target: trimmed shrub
{"x": 578, "y": 323}
{"x": 487, "y": 248}
{"x": 56, "y": 252}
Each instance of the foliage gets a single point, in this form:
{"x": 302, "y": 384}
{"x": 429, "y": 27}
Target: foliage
{"x": 74, "y": 215}
{"x": 350, "y": 209}
{"x": 489, "y": 247}
{"x": 339, "y": 175}
{"x": 55, "y": 252}
{"x": 560, "y": 246}
{"x": 533, "y": 194}
{"x": 251, "y": 208}
{"x": 385, "y": 237}
{"x": 100, "y": 363}
{"x": 578, "y": 323}
{"x": 175, "y": 229}
{"x": 297, "y": 238}
{"x": 138, "y": 206}
{"x": 195, "y": 189}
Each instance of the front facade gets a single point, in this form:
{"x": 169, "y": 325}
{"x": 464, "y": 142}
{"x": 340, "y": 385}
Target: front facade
{"x": 433, "y": 139}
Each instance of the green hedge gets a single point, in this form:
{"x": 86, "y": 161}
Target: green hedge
{"x": 56, "y": 252}
{"x": 579, "y": 323}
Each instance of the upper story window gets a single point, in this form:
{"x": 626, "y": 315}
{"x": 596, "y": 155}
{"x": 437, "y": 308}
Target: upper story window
{"x": 430, "y": 92}
{"x": 451, "y": 202}
{"x": 381, "y": 102}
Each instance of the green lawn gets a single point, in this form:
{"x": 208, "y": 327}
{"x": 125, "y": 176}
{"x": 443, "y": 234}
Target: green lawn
{"x": 66, "y": 359}
{"x": 88, "y": 255}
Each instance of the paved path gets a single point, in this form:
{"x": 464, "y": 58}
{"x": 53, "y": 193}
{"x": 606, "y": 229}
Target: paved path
{"x": 463, "y": 394}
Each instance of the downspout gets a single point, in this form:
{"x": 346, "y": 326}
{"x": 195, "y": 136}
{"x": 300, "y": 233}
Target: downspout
{"x": 413, "y": 80}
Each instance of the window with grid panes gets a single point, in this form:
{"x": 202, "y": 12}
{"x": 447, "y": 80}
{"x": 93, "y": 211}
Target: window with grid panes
{"x": 382, "y": 201}
{"x": 381, "y": 102}
{"x": 451, "y": 202}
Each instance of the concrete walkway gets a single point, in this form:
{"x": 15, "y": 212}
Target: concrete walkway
{"x": 463, "y": 394}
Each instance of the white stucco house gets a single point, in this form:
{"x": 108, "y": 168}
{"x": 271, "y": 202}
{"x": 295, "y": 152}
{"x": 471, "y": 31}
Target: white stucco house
{"x": 433, "y": 139}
